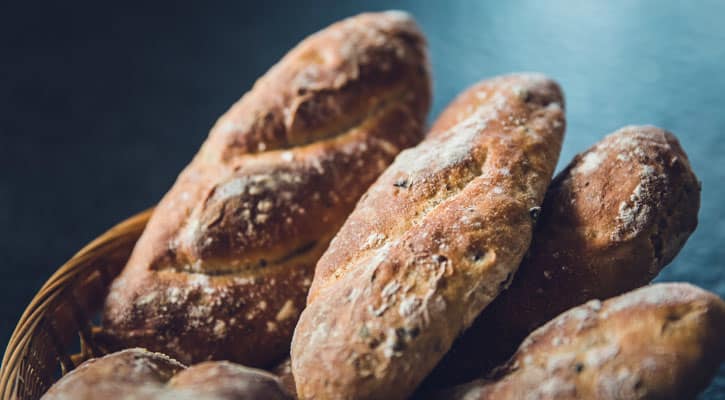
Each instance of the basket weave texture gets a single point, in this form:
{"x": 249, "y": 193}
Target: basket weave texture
{"x": 45, "y": 343}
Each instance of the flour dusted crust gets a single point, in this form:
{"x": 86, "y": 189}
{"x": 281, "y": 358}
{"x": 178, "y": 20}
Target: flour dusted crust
{"x": 143, "y": 375}
{"x": 611, "y": 220}
{"x": 659, "y": 342}
{"x": 223, "y": 267}
{"x": 430, "y": 244}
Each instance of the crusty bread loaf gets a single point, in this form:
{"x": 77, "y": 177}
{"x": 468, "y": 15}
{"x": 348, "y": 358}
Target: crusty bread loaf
{"x": 430, "y": 244}
{"x": 610, "y": 221}
{"x": 140, "y": 375}
{"x": 663, "y": 341}
{"x": 224, "y": 265}
{"x": 131, "y": 373}
{"x": 223, "y": 380}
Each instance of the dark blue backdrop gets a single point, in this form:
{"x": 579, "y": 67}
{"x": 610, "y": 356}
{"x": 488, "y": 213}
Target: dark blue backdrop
{"x": 102, "y": 105}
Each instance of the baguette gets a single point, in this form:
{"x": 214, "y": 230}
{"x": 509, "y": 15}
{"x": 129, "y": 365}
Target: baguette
{"x": 140, "y": 374}
{"x": 610, "y": 222}
{"x": 430, "y": 244}
{"x": 224, "y": 265}
{"x": 664, "y": 341}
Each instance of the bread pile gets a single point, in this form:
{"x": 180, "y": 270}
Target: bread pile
{"x": 320, "y": 220}
{"x": 140, "y": 374}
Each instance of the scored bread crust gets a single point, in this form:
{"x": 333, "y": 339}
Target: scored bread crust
{"x": 223, "y": 267}
{"x": 658, "y": 342}
{"x": 430, "y": 244}
{"x": 611, "y": 220}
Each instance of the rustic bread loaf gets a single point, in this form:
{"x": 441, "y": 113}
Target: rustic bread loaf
{"x": 140, "y": 374}
{"x": 223, "y": 380}
{"x": 131, "y": 373}
{"x": 224, "y": 265}
{"x": 430, "y": 244}
{"x": 610, "y": 222}
{"x": 663, "y": 341}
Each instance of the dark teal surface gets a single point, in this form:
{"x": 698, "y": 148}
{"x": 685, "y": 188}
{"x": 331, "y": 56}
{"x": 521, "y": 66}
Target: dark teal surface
{"x": 101, "y": 106}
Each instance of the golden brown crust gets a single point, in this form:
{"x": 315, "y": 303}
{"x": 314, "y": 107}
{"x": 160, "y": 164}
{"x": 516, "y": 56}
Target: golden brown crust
{"x": 659, "y": 342}
{"x": 223, "y": 267}
{"x": 609, "y": 223}
{"x": 429, "y": 245}
{"x": 140, "y": 374}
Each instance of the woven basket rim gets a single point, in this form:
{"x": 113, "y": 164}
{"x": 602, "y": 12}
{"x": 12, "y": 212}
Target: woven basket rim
{"x": 49, "y": 292}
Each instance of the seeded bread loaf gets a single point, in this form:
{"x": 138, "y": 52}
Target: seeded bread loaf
{"x": 224, "y": 265}
{"x": 430, "y": 244}
{"x": 663, "y": 341}
{"x": 609, "y": 223}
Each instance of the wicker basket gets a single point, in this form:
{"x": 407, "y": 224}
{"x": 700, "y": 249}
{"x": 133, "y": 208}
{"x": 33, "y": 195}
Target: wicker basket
{"x": 56, "y": 332}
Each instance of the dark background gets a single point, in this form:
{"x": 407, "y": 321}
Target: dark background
{"x": 102, "y": 105}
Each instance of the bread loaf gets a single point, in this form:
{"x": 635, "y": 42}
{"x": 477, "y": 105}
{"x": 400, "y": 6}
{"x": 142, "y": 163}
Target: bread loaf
{"x": 610, "y": 222}
{"x": 142, "y": 375}
{"x": 226, "y": 381}
{"x": 663, "y": 341}
{"x": 224, "y": 265}
{"x": 131, "y": 373}
{"x": 430, "y": 244}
